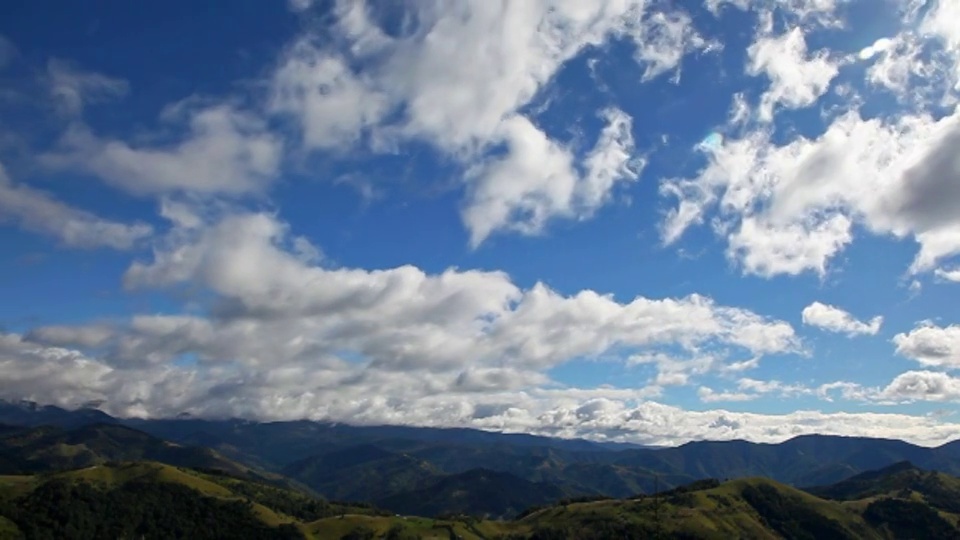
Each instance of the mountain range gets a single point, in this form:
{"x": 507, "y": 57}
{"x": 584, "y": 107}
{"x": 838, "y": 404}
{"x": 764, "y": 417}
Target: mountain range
{"x": 429, "y": 471}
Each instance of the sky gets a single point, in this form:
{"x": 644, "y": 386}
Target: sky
{"x": 629, "y": 220}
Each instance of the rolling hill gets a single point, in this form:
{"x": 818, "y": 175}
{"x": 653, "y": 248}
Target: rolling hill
{"x": 153, "y": 500}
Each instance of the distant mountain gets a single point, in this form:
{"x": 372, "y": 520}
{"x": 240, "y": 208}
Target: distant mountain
{"x": 395, "y": 459}
{"x": 28, "y": 413}
{"x": 362, "y": 473}
{"x": 54, "y": 449}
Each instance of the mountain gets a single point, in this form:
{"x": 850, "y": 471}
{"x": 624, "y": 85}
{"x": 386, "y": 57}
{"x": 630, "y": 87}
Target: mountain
{"x": 478, "y": 492}
{"x": 754, "y": 508}
{"x": 54, "y": 449}
{"x": 395, "y": 459}
{"x": 900, "y": 480}
{"x": 362, "y": 473}
{"x": 28, "y": 413}
{"x": 153, "y": 500}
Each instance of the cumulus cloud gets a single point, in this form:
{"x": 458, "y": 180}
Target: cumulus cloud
{"x": 922, "y": 386}
{"x": 834, "y": 319}
{"x": 796, "y": 80}
{"x": 456, "y": 76}
{"x": 940, "y": 22}
{"x": 224, "y": 150}
{"x": 282, "y": 336}
{"x": 402, "y": 317}
{"x": 40, "y": 212}
{"x": 536, "y": 179}
{"x": 789, "y": 208}
{"x": 931, "y": 345}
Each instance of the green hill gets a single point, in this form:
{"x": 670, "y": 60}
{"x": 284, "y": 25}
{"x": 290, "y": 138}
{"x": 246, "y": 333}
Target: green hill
{"x": 156, "y": 500}
{"x": 894, "y": 503}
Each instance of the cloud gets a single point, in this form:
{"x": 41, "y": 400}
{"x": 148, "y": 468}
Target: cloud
{"x": 457, "y": 77}
{"x": 321, "y": 93}
{"x": 796, "y": 81}
{"x": 339, "y": 392}
{"x": 789, "y": 208}
{"x": 8, "y": 52}
{"x": 940, "y": 22}
{"x": 931, "y": 345}
{"x": 281, "y": 336}
{"x": 834, "y": 319}
{"x": 536, "y": 180}
{"x": 39, "y": 212}
{"x": 72, "y": 88}
{"x": 908, "y": 387}
{"x": 708, "y": 395}
{"x": 922, "y": 386}
{"x": 952, "y": 274}
{"x": 750, "y": 389}
{"x": 401, "y": 318}
{"x": 224, "y": 151}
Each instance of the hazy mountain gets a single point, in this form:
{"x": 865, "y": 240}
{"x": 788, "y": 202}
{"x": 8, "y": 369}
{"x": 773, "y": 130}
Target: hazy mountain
{"x": 371, "y": 463}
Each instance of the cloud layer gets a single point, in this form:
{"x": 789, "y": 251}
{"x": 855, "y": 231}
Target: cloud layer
{"x": 531, "y": 113}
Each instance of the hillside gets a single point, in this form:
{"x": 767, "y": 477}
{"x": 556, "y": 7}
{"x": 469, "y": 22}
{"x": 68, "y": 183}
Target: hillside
{"x": 747, "y": 508}
{"x": 52, "y": 449}
{"x": 159, "y": 501}
{"x": 362, "y": 473}
{"x": 478, "y": 492}
{"x": 153, "y": 500}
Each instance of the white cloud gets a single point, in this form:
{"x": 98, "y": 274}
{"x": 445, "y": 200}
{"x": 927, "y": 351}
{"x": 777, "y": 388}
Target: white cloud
{"x": 820, "y": 12}
{"x": 834, "y": 319}
{"x": 708, "y": 395}
{"x": 750, "y": 389}
{"x": 879, "y": 46}
{"x": 940, "y": 22}
{"x": 791, "y": 207}
{"x": 457, "y": 76}
{"x": 403, "y": 317}
{"x": 536, "y": 179}
{"x": 319, "y": 91}
{"x": 664, "y": 39}
{"x": 340, "y": 392}
{"x": 796, "y": 81}
{"x": 225, "y": 151}
{"x": 931, "y": 345}
{"x": 952, "y": 274}
{"x": 72, "y": 88}
{"x": 922, "y": 386}
{"x": 39, "y": 212}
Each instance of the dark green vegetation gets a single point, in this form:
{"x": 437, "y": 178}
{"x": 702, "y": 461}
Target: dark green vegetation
{"x": 62, "y": 509}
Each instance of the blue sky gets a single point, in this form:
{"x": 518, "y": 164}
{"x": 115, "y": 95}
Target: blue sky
{"x": 632, "y": 220}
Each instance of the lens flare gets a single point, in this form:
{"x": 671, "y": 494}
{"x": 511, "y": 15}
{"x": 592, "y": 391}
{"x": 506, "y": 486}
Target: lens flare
{"x": 713, "y": 141}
